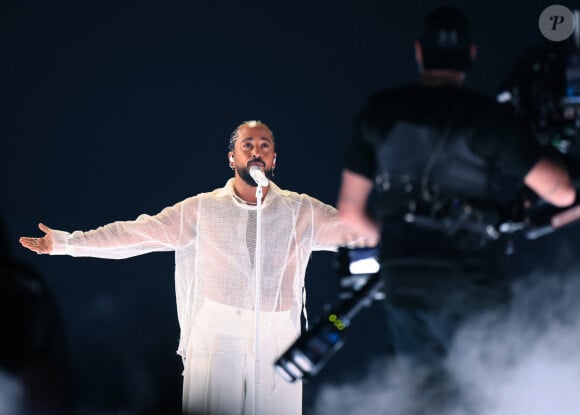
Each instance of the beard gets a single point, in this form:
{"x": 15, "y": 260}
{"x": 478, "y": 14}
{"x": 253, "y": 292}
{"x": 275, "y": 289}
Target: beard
{"x": 244, "y": 173}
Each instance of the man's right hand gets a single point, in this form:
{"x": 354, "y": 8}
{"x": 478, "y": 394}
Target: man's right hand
{"x": 39, "y": 245}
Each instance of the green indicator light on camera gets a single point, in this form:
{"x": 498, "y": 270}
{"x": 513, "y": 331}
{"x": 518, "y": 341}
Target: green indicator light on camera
{"x": 336, "y": 322}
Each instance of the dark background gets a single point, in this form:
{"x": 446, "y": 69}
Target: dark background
{"x": 113, "y": 109}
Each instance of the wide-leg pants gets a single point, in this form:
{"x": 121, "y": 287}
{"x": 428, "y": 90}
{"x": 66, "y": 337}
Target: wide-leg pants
{"x": 219, "y": 366}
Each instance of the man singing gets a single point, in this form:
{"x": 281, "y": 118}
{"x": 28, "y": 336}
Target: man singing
{"x": 214, "y": 236}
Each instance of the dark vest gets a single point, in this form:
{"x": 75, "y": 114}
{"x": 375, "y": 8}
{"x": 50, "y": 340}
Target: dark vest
{"x": 420, "y": 168}
{"x": 433, "y": 172}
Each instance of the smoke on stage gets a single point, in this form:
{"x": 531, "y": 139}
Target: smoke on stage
{"x": 523, "y": 361}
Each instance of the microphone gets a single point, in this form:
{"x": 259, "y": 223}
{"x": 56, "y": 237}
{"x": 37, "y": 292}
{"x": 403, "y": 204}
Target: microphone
{"x": 258, "y": 176}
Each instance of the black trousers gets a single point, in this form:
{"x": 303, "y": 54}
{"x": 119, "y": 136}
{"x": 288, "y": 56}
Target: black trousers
{"x": 428, "y": 300}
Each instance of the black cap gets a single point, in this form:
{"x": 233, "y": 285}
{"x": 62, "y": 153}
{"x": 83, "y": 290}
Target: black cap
{"x": 446, "y": 40}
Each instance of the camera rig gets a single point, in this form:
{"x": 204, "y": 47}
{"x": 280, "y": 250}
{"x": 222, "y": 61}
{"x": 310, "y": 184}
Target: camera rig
{"x": 360, "y": 283}
{"x": 543, "y": 89}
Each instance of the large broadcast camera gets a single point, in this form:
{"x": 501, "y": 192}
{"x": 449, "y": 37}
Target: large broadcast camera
{"x": 543, "y": 90}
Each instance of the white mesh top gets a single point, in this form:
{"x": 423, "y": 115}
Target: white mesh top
{"x": 214, "y": 237}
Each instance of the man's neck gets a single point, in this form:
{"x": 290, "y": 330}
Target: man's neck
{"x": 246, "y": 192}
{"x": 442, "y": 77}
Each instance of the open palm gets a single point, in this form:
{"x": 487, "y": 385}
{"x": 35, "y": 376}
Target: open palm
{"x": 39, "y": 245}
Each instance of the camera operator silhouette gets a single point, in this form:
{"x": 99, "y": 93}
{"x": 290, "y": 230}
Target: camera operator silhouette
{"x": 442, "y": 164}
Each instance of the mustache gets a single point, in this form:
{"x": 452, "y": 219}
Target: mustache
{"x": 255, "y": 161}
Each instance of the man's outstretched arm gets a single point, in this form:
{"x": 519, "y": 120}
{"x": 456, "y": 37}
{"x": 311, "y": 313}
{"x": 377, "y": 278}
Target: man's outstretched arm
{"x": 166, "y": 231}
{"x": 41, "y": 245}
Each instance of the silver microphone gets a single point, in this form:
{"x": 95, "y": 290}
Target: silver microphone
{"x": 258, "y": 176}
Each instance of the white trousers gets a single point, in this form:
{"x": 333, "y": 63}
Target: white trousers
{"x": 219, "y": 368}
